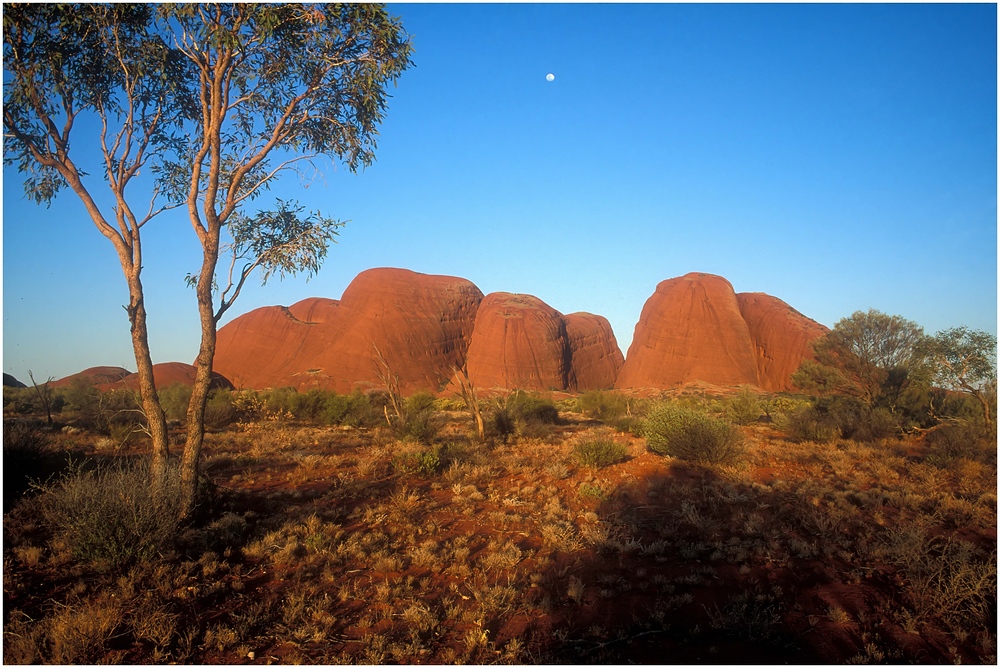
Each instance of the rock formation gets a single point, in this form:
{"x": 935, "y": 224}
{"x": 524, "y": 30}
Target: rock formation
{"x": 782, "y": 338}
{"x": 519, "y": 342}
{"x": 690, "y": 329}
{"x": 10, "y": 381}
{"x": 423, "y": 327}
{"x": 418, "y": 323}
{"x": 695, "y": 328}
{"x": 95, "y": 375}
{"x": 166, "y": 374}
{"x": 597, "y": 359}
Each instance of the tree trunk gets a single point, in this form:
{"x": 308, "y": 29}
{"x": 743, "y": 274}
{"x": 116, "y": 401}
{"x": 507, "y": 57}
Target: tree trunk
{"x": 987, "y": 413}
{"x": 191, "y": 459}
{"x": 155, "y": 417}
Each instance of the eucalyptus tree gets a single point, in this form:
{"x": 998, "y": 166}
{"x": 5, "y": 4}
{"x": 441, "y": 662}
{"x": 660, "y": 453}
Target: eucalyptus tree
{"x": 219, "y": 100}
{"x": 965, "y": 360}
{"x": 869, "y": 355}
{"x": 61, "y": 64}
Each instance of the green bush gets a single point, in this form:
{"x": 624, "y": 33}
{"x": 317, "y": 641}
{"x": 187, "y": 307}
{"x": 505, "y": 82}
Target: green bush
{"x": 601, "y": 405}
{"x": 689, "y": 434}
{"x": 961, "y": 439}
{"x": 108, "y": 516}
{"x": 174, "y": 399}
{"x": 744, "y": 407}
{"x": 599, "y": 451}
{"x": 309, "y": 405}
{"x": 501, "y": 423}
{"x": 423, "y": 462}
{"x": 531, "y": 408}
{"x": 220, "y": 410}
{"x": 418, "y": 426}
{"x": 420, "y": 402}
{"x": 520, "y": 413}
{"x": 846, "y": 417}
{"x": 354, "y": 410}
{"x": 808, "y": 424}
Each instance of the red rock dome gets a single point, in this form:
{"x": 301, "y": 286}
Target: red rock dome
{"x": 691, "y": 329}
{"x": 419, "y": 323}
{"x": 695, "y": 328}
{"x": 519, "y": 342}
{"x": 596, "y": 357}
{"x": 95, "y": 375}
{"x": 782, "y": 338}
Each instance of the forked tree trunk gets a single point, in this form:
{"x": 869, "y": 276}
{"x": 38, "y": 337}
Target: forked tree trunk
{"x": 155, "y": 417}
{"x": 190, "y": 460}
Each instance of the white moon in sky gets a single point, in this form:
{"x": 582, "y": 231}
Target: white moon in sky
{"x": 550, "y": 77}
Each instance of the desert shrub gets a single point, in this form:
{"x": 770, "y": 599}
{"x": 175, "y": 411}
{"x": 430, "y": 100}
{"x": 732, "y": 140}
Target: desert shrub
{"x": 26, "y": 458}
{"x": 599, "y": 449}
{"x": 689, "y": 434}
{"x": 418, "y": 426}
{"x": 83, "y": 399}
{"x": 601, "y": 405}
{"x": 743, "y": 408}
{"x": 220, "y": 409}
{"x": 174, "y": 399}
{"x": 876, "y": 424}
{"x": 420, "y": 401}
{"x": 449, "y": 404}
{"x": 423, "y": 461}
{"x": 629, "y": 424}
{"x": 501, "y": 423}
{"x": 807, "y": 424}
{"x": 108, "y": 516}
{"x": 844, "y": 417}
{"x": 530, "y": 408}
{"x": 354, "y": 410}
{"x": 25, "y": 400}
{"x": 280, "y": 400}
{"x": 960, "y": 439}
{"x": 520, "y": 413}
{"x": 946, "y": 578}
{"x": 309, "y": 405}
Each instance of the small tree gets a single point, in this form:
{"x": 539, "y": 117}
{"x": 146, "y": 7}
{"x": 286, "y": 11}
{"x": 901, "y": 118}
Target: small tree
{"x": 965, "y": 360}
{"x": 215, "y": 101}
{"x": 273, "y": 87}
{"x": 44, "y": 394}
{"x": 870, "y": 355}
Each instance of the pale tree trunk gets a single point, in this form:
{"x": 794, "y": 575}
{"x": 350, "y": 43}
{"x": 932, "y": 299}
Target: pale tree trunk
{"x": 191, "y": 459}
{"x": 155, "y": 417}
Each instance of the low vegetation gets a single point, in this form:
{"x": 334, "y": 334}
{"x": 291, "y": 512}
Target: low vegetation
{"x": 334, "y": 532}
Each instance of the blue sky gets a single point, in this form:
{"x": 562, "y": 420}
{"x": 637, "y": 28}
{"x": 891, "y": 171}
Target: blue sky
{"x": 839, "y": 157}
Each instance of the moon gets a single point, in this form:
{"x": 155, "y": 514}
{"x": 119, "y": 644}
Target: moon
{"x": 550, "y": 77}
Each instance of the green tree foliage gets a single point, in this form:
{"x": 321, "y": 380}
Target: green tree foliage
{"x": 215, "y": 101}
{"x": 965, "y": 360}
{"x": 870, "y": 355}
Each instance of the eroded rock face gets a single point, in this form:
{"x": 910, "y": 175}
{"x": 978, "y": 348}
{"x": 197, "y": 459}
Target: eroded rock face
{"x": 690, "y": 329}
{"x": 696, "y": 328}
{"x": 260, "y": 349}
{"x": 782, "y": 338}
{"x": 519, "y": 342}
{"x": 596, "y": 357}
{"x": 420, "y": 324}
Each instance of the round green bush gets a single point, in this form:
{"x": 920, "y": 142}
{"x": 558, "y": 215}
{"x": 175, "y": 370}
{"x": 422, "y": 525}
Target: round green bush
{"x": 691, "y": 435}
{"x": 599, "y": 452}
